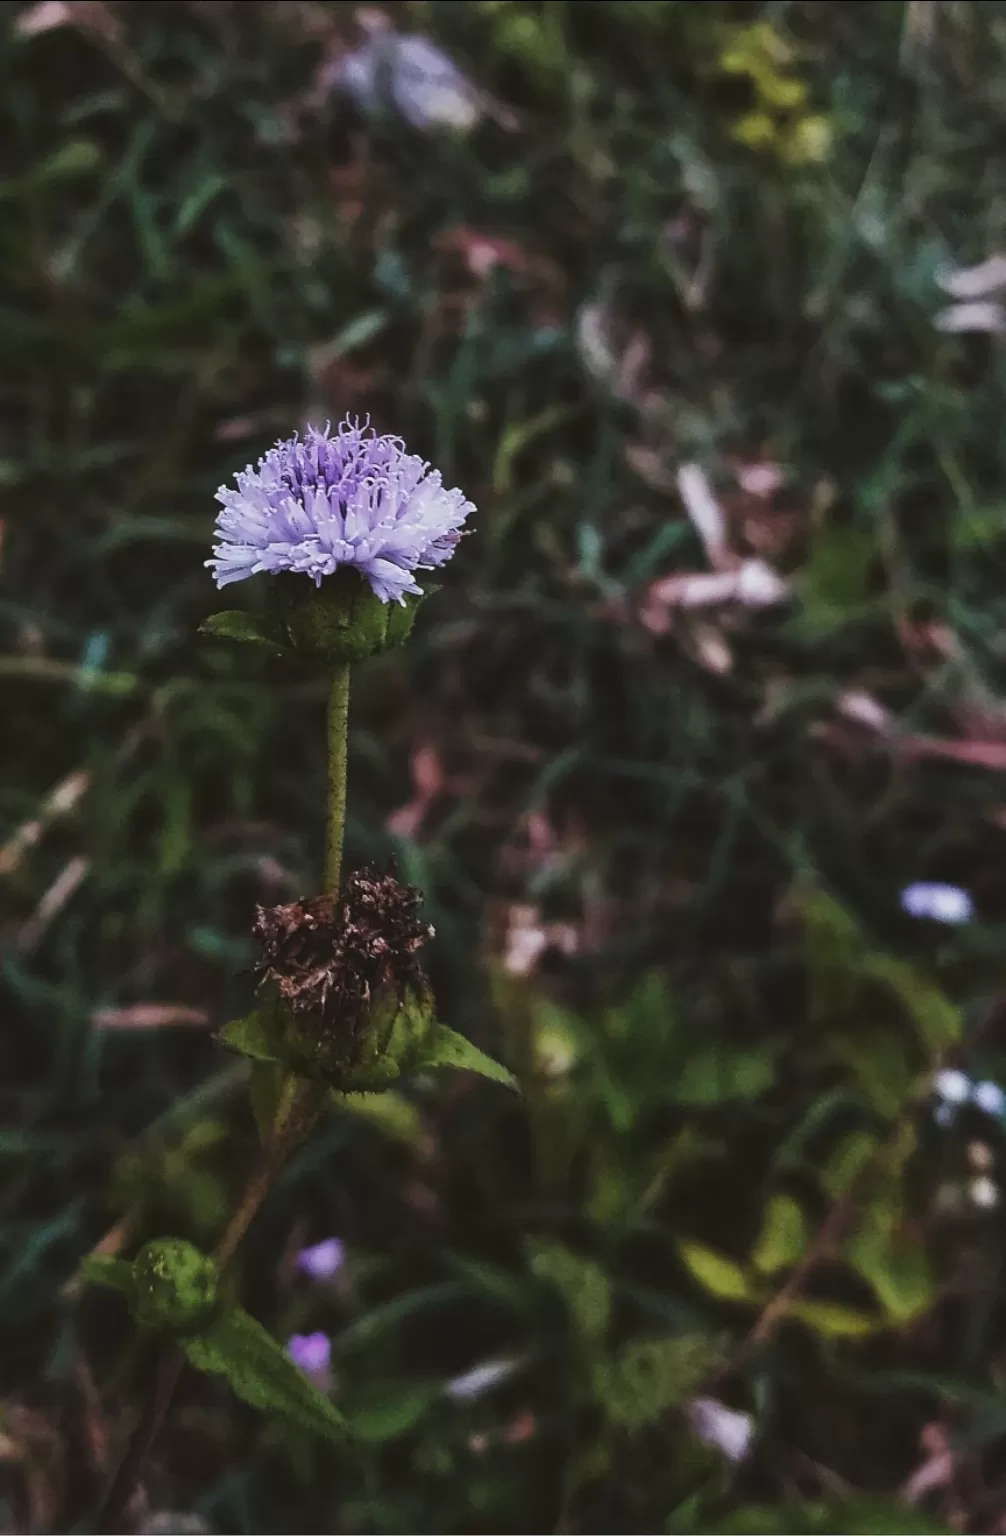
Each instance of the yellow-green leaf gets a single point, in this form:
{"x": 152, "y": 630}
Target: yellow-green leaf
{"x": 716, "y": 1273}
{"x": 783, "y": 1236}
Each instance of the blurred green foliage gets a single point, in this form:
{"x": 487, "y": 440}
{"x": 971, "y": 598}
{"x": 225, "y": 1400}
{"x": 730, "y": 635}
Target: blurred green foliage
{"x": 682, "y": 233}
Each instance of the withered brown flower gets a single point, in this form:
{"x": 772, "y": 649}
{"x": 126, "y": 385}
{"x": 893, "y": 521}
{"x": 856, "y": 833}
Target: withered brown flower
{"x": 333, "y": 959}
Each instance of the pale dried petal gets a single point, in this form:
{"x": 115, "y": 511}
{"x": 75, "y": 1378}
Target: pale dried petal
{"x": 980, "y": 316}
{"x": 974, "y": 282}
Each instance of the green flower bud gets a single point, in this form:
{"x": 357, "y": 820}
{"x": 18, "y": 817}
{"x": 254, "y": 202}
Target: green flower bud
{"x": 175, "y": 1286}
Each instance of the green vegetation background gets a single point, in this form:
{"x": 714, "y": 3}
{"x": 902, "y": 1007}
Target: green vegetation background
{"x": 682, "y": 234}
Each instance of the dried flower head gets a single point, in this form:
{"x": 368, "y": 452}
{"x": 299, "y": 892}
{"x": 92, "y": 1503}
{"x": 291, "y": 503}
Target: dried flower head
{"x": 334, "y": 959}
{"x": 328, "y": 501}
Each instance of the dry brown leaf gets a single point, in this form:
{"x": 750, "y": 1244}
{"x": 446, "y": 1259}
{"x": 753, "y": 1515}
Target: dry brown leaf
{"x": 87, "y": 15}
{"x": 149, "y": 1016}
{"x": 706, "y": 515}
{"x": 52, "y": 903}
{"x": 753, "y": 584}
{"x": 60, "y": 802}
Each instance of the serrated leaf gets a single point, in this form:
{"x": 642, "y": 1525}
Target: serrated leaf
{"x": 99, "y": 1269}
{"x": 650, "y": 1376}
{"x": 581, "y": 1282}
{"x": 783, "y": 1236}
{"x": 716, "y": 1273}
{"x": 235, "y": 624}
{"x": 444, "y": 1047}
{"x": 256, "y": 1035}
{"x": 258, "y": 1370}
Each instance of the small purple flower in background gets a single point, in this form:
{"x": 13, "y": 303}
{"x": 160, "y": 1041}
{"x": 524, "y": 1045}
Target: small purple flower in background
{"x": 324, "y": 501}
{"x": 940, "y": 903}
{"x": 312, "y": 1352}
{"x": 425, "y": 85}
{"x": 481, "y": 1379}
{"x": 323, "y": 1260}
{"x": 988, "y": 1096}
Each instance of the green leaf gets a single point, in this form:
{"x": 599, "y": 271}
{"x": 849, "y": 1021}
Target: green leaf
{"x": 783, "y": 1236}
{"x": 650, "y": 1376}
{"x": 265, "y": 1085}
{"x": 98, "y": 1269}
{"x": 256, "y": 1035}
{"x": 235, "y": 624}
{"x": 832, "y": 1320}
{"x": 847, "y": 1162}
{"x": 716, "y": 1273}
{"x": 581, "y": 1282}
{"x": 393, "y": 1411}
{"x": 258, "y": 1370}
{"x": 896, "y": 1266}
{"x": 882, "y": 1064}
{"x": 938, "y": 1020}
{"x": 717, "y": 1075}
{"x": 444, "y": 1047}
{"x": 388, "y": 1112}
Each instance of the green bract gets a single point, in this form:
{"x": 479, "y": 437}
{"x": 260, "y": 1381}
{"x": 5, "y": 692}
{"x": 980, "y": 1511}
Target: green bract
{"x": 321, "y": 627}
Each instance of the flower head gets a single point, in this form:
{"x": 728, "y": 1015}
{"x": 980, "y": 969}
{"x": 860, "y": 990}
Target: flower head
{"x": 335, "y": 959}
{"x": 312, "y": 1352}
{"x": 940, "y": 903}
{"x": 331, "y": 500}
{"x": 324, "y": 1260}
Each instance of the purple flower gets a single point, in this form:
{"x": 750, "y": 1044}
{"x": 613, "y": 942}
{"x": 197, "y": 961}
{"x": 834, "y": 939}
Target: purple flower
{"x": 324, "y": 501}
{"x": 323, "y": 1260}
{"x": 312, "y": 1352}
{"x": 426, "y": 87}
{"x": 940, "y": 903}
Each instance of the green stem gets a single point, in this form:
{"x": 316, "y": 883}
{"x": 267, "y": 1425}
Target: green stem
{"x": 298, "y": 1110}
{"x": 338, "y": 734}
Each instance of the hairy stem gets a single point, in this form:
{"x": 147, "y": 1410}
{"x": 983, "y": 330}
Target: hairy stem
{"x": 338, "y": 732}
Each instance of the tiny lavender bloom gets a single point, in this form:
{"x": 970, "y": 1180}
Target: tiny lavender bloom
{"x": 940, "y": 903}
{"x": 952, "y": 1087}
{"x": 323, "y": 1260}
{"x": 989, "y": 1097}
{"x": 312, "y": 1352}
{"x": 327, "y": 500}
